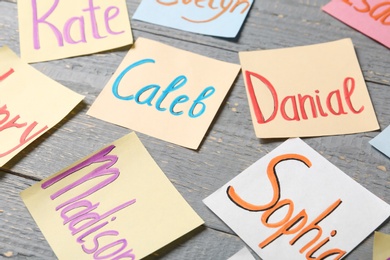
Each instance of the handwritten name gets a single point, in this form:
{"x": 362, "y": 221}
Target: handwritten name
{"x": 79, "y": 213}
{"x": 73, "y": 24}
{"x": 147, "y": 94}
{"x": 315, "y": 102}
{"x": 218, "y": 9}
{"x": 290, "y": 225}
{"x": 379, "y": 12}
{"x": 12, "y": 123}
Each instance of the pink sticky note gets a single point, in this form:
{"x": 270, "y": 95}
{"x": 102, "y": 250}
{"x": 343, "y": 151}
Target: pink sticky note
{"x": 371, "y": 17}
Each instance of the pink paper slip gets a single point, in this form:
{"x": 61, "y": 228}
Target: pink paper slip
{"x": 371, "y": 17}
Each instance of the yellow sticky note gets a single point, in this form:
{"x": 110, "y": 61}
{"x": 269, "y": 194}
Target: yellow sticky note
{"x": 113, "y": 204}
{"x": 313, "y": 90}
{"x": 55, "y": 29}
{"x": 30, "y": 104}
{"x": 381, "y": 246}
{"x": 165, "y": 92}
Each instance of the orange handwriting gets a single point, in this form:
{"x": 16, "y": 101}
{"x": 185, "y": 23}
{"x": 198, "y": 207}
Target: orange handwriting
{"x": 380, "y": 11}
{"x": 220, "y": 9}
{"x": 291, "y": 225}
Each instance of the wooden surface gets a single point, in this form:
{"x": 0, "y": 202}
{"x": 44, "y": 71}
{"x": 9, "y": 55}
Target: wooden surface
{"x": 230, "y": 145}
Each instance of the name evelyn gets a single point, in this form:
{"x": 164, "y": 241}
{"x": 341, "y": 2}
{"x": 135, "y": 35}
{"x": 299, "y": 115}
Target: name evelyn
{"x": 79, "y": 214}
{"x": 319, "y": 105}
{"x": 220, "y": 8}
{"x": 291, "y": 225}
{"x": 10, "y": 122}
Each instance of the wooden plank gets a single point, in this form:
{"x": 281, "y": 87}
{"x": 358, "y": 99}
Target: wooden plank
{"x": 229, "y": 147}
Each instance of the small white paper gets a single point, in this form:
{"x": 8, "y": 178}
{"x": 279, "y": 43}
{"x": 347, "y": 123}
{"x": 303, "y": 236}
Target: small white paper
{"x": 294, "y": 204}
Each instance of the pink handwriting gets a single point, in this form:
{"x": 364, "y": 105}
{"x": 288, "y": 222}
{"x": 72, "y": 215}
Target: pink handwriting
{"x": 9, "y": 123}
{"x": 7, "y": 74}
{"x": 337, "y": 102}
{"x": 73, "y": 24}
{"x": 79, "y": 213}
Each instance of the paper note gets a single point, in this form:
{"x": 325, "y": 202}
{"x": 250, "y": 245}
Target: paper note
{"x": 382, "y": 141}
{"x": 217, "y": 18}
{"x": 165, "y": 92}
{"x": 371, "y": 17}
{"x": 30, "y": 104}
{"x": 294, "y": 204}
{"x": 55, "y": 29}
{"x": 311, "y": 90}
{"x": 243, "y": 254}
{"x": 381, "y": 246}
{"x": 113, "y": 204}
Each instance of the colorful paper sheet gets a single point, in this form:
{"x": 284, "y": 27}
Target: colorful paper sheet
{"x": 30, "y": 104}
{"x": 217, "y": 18}
{"x": 381, "y": 246}
{"x": 371, "y": 17}
{"x": 113, "y": 204}
{"x": 243, "y": 254}
{"x": 165, "y": 92}
{"x": 310, "y": 90}
{"x": 55, "y": 29}
{"x": 294, "y": 204}
{"x": 382, "y": 141}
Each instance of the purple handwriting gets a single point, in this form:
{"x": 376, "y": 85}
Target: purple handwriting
{"x": 73, "y": 24}
{"x": 79, "y": 213}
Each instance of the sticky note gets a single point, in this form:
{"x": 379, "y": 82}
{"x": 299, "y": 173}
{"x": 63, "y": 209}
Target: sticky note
{"x": 165, "y": 92}
{"x": 113, "y": 204}
{"x": 217, "y": 18}
{"x": 294, "y": 204}
{"x": 30, "y": 104}
{"x": 370, "y": 17}
{"x": 382, "y": 142}
{"x": 381, "y": 246}
{"x": 56, "y": 29}
{"x": 313, "y": 90}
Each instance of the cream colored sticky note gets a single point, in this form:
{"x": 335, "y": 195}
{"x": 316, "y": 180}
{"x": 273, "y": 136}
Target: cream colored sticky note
{"x": 381, "y": 246}
{"x": 55, "y": 29}
{"x": 30, "y": 104}
{"x": 311, "y": 90}
{"x": 165, "y": 92}
{"x": 113, "y": 204}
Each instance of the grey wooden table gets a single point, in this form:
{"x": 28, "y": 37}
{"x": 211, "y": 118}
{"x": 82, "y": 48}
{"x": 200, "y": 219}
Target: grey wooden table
{"x": 228, "y": 148}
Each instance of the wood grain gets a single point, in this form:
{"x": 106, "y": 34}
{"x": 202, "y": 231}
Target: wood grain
{"x": 230, "y": 145}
